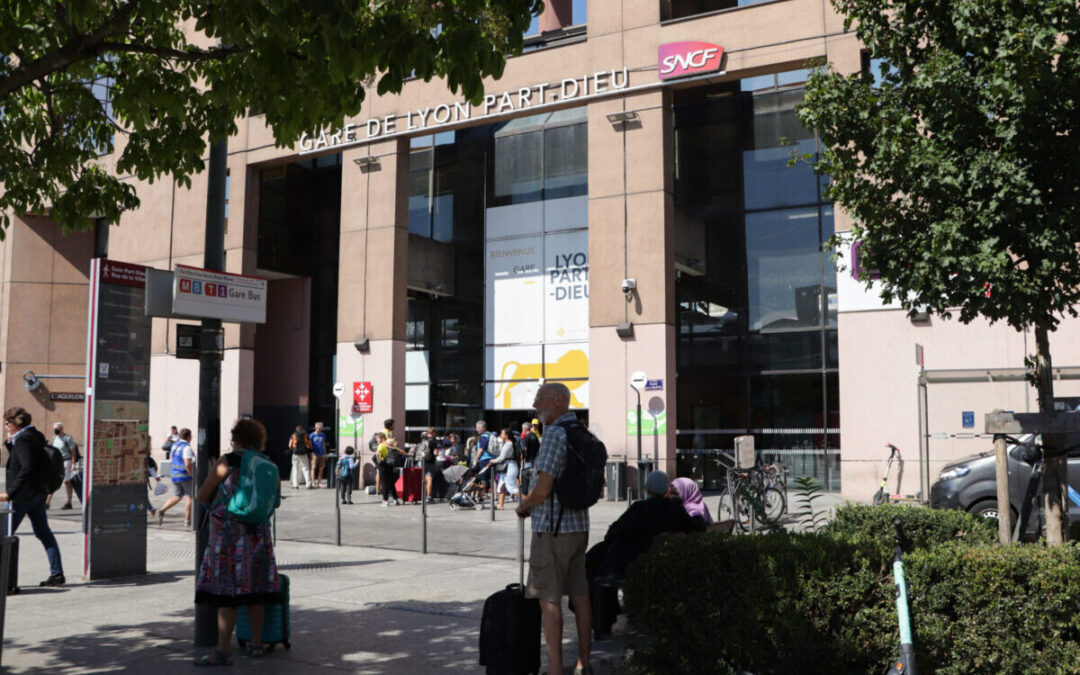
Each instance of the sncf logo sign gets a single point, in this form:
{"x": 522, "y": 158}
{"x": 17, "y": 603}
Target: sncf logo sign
{"x": 679, "y": 59}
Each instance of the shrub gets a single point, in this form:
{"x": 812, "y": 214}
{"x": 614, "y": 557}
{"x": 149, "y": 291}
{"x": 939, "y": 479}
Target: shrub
{"x": 825, "y": 603}
{"x": 995, "y": 609}
{"x": 773, "y": 603}
{"x": 922, "y": 527}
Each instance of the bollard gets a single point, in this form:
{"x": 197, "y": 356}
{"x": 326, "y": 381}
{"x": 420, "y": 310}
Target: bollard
{"x": 423, "y": 514}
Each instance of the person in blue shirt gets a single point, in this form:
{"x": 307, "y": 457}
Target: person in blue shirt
{"x": 182, "y": 470}
{"x": 318, "y": 454}
{"x": 485, "y": 450}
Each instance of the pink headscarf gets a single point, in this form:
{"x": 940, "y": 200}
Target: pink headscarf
{"x": 691, "y": 499}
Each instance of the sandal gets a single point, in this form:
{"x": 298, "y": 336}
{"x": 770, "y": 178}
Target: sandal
{"x": 214, "y": 658}
{"x": 253, "y": 651}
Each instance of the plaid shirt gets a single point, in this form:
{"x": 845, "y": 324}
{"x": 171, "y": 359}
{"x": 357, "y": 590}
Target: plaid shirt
{"x": 552, "y": 460}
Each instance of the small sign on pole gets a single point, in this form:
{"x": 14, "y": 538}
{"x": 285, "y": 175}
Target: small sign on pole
{"x": 339, "y": 389}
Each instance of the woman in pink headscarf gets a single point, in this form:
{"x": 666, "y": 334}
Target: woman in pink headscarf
{"x": 690, "y": 496}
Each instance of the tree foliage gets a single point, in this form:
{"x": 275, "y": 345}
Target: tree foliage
{"x": 179, "y": 71}
{"x": 960, "y": 165}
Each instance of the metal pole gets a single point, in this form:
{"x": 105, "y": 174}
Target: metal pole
{"x": 206, "y": 633}
{"x": 337, "y": 479}
{"x": 640, "y": 476}
{"x": 1001, "y": 449}
{"x": 423, "y": 509}
{"x": 924, "y": 441}
{"x": 491, "y": 479}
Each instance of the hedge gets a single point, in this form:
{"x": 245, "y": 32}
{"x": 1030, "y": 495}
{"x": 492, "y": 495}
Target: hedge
{"x": 825, "y": 603}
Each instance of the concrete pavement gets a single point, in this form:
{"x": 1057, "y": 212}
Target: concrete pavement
{"x": 374, "y": 605}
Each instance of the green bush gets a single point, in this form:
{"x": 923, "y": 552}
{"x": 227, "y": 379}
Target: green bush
{"x": 773, "y": 603}
{"x": 995, "y": 609}
{"x": 922, "y": 527}
{"x": 825, "y": 603}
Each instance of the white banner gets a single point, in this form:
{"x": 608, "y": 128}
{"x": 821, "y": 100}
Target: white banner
{"x": 566, "y": 287}
{"x": 515, "y": 290}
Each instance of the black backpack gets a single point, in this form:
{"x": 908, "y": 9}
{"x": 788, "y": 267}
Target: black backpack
{"x": 53, "y": 472}
{"x": 582, "y": 481}
{"x": 532, "y": 447}
{"x": 373, "y": 444}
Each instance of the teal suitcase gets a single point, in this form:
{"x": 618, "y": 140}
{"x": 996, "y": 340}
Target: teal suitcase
{"x": 275, "y": 630}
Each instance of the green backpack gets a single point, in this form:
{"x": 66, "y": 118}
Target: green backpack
{"x": 258, "y": 489}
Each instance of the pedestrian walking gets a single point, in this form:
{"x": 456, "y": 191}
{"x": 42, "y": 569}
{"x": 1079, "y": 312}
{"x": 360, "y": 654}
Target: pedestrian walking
{"x": 318, "y": 454}
{"x": 530, "y": 447}
{"x": 182, "y": 470}
{"x": 238, "y": 568}
{"x": 507, "y": 467}
{"x": 559, "y": 535}
{"x": 69, "y": 450}
{"x": 26, "y": 486}
{"x": 345, "y": 468}
{"x": 388, "y": 455}
{"x": 300, "y": 446}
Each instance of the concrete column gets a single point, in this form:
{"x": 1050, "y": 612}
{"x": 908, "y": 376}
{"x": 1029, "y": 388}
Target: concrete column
{"x": 372, "y": 278}
{"x": 631, "y": 235}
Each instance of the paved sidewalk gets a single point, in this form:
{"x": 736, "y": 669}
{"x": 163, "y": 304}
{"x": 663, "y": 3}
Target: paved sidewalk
{"x": 355, "y": 609}
{"x": 375, "y": 605}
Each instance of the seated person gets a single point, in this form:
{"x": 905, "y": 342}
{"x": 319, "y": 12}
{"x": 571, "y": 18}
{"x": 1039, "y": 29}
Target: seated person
{"x": 627, "y": 538}
{"x": 689, "y": 495}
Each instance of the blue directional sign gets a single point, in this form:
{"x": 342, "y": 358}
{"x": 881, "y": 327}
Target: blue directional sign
{"x": 968, "y": 419}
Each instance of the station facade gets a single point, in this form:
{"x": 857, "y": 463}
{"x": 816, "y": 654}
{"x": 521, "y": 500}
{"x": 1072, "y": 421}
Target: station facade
{"x": 620, "y": 201}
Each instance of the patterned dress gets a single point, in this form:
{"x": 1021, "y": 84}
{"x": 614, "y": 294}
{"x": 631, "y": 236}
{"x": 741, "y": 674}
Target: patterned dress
{"x": 238, "y": 566}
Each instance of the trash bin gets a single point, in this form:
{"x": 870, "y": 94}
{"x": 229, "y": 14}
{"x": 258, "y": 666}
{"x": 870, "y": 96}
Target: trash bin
{"x": 645, "y": 467}
{"x": 331, "y": 470}
{"x": 615, "y": 476}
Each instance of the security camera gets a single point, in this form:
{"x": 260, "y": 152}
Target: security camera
{"x": 628, "y": 285}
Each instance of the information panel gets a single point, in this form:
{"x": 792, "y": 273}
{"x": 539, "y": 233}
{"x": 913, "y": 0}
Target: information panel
{"x": 117, "y": 421}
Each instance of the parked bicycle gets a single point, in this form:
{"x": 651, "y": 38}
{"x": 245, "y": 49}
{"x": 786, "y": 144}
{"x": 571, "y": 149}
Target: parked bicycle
{"x": 754, "y": 496}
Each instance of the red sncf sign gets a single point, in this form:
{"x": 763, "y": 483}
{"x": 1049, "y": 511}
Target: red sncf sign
{"x": 679, "y": 59}
{"x": 363, "y": 397}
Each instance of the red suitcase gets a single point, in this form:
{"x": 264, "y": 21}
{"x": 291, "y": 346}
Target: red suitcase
{"x": 408, "y": 484}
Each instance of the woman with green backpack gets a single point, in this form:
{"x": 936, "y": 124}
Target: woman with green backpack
{"x": 238, "y": 568}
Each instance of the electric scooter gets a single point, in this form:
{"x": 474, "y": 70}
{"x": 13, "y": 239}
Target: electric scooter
{"x": 882, "y": 495}
{"x": 905, "y": 665}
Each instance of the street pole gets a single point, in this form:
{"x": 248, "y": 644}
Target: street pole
{"x": 339, "y": 490}
{"x": 206, "y": 633}
{"x": 640, "y": 476}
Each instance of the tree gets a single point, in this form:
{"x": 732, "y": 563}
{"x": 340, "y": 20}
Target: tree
{"x": 161, "y": 76}
{"x": 960, "y": 165}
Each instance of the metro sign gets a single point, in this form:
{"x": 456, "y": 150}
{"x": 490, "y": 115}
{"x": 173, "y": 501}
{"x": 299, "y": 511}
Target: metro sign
{"x": 679, "y": 59}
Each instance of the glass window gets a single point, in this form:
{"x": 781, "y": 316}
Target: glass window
{"x": 518, "y": 168}
{"x": 566, "y": 167}
{"x": 786, "y": 351}
{"x": 420, "y": 192}
{"x": 783, "y": 259}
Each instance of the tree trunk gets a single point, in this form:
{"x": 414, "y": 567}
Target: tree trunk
{"x": 1055, "y": 467}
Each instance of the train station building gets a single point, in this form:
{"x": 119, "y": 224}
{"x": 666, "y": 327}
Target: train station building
{"x": 619, "y": 202}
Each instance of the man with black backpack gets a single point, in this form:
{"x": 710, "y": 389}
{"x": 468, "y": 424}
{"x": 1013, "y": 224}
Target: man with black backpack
{"x": 28, "y": 466}
{"x": 570, "y": 476}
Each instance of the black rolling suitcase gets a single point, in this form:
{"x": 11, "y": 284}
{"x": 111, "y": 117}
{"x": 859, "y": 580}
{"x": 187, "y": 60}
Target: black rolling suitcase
{"x": 510, "y": 628}
{"x": 13, "y": 566}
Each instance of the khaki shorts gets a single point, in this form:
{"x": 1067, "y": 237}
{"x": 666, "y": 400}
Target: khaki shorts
{"x": 557, "y": 566}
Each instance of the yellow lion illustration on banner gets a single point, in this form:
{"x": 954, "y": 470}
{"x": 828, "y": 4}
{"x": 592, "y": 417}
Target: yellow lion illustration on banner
{"x": 572, "y": 364}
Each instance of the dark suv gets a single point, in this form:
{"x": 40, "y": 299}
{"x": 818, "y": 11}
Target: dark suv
{"x": 971, "y": 483}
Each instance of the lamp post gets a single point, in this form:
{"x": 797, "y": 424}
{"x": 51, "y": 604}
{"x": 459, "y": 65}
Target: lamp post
{"x": 637, "y": 382}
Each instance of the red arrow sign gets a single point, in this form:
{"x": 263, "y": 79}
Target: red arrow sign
{"x": 363, "y": 397}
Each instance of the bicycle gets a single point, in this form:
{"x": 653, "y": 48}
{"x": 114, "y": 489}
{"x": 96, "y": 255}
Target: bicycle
{"x": 753, "y": 495}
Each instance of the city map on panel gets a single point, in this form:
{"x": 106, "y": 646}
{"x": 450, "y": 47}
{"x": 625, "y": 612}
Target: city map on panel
{"x": 120, "y": 443}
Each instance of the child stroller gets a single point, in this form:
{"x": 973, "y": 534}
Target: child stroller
{"x": 467, "y": 485}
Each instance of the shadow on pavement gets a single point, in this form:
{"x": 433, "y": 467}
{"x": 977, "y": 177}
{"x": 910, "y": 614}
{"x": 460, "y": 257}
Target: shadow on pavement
{"x": 406, "y": 637}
